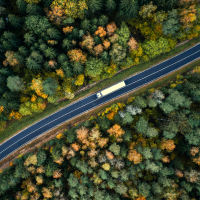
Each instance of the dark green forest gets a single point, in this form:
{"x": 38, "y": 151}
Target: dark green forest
{"x": 147, "y": 150}
{"x": 50, "y": 49}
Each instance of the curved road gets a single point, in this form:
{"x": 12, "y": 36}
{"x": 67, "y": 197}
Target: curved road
{"x": 92, "y": 101}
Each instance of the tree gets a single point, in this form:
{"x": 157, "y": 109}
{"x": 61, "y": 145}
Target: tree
{"x": 50, "y": 53}
{"x": 166, "y": 107}
{"x": 152, "y": 103}
{"x": 67, "y": 44}
{"x": 141, "y": 126}
{"x": 78, "y": 68}
{"x": 95, "y": 5}
{"x": 50, "y": 86}
{"x": 93, "y": 67}
{"x": 115, "y": 148}
{"x": 128, "y": 9}
{"x": 151, "y": 132}
{"x": 33, "y": 9}
{"x": 128, "y": 118}
{"x": 29, "y": 38}
{"x": 147, "y": 10}
{"x": 24, "y": 110}
{"x": 170, "y": 130}
{"x": 123, "y": 33}
{"x": 103, "y": 20}
{"x": 54, "y": 33}
{"x": 118, "y": 53}
{"x": 79, "y": 80}
{"x": 154, "y": 48}
{"x": 21, "y": 5}
{"x": 85, "y": 25}
{"x": 76, "y": 55}
{"x": 37, "y": 24}
{"x": 121, "y": 189}
{"x": 144, "y": 189}
{"x": 15, "y": 83}
{"x": 176, "y": 99}
{"x": 110, "y": 6}
{"x": 140, "y": 102}
{"x": 15, "y": 21}
{"x": 156, "y": 188}
{"x": 171, "y": 25}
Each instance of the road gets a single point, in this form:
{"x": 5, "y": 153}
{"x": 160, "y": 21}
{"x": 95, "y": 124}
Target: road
{"x": 91, "y": 101}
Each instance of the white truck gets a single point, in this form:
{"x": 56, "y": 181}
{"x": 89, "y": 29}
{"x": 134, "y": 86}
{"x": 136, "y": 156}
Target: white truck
{"x": 111, "y": 89}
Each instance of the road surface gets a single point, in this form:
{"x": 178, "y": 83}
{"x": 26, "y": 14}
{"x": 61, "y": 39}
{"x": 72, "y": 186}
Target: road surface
{"x": 92, "y": 101}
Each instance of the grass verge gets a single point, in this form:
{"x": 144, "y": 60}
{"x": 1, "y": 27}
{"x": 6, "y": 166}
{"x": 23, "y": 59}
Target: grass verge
{"x": 94, "y": 112}
{"x": 15, "y": 126}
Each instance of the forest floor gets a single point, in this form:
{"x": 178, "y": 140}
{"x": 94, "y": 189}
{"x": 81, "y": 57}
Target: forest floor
{"x": 94, "y": 112}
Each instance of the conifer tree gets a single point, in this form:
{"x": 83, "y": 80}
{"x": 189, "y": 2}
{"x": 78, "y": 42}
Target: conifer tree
{"x": 15, "y": 21}
{"x": 33, "y": 9}
{"x": 110, "y": 6}
{"x": 49, "y": 86}
{"x": 95, "y": 5}
{"x": 21, "y": 5}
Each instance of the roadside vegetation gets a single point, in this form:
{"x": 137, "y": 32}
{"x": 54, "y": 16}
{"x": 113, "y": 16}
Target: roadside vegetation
{"x": 50, "y": 49}
{"x": 144, "y": 149}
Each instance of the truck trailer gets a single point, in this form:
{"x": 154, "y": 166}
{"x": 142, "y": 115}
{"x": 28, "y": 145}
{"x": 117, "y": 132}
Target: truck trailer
{"x": 111, "y": 89}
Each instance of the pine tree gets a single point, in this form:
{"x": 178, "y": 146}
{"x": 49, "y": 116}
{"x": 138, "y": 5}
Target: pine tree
{"x": 128, "y": 9}
{"x": 21, "y": 5}
{"x": 33, "y": 9}
{"x": 144, "y": 189}
{"x": 67, "y": 44}
{"x": 95, "y": 5}
{"x": 15, "y": 21}
{"x": 78, "y": 68}
{"x": 50, "y": 53}
{"x": 54, "y": 33}
{"x": 85, "y": 25}
{"x": 49, "y": 86}
{"x": 141, "y": 126}
{"x": 29, "y": 38}
{"x": 110, "y": 6}
{"x": 103, "y": 21}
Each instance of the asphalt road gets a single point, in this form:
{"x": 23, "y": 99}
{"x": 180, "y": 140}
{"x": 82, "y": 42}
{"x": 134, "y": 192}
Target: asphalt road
{"x": 92, "y": 101}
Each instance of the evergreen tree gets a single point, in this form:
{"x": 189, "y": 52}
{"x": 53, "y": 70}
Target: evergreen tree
{"x": 50, "y": 53}
{"x": 144, "y": 189}
{"x": 54, "y": 33}
{"x": 128, "y": 9}
{"x": 33, "y": 9}
{"x": 78, "y": 68}
{"x": 110, "y": 6}
{"x": 67, "y": 44}
{"x": 29, "y": 39}
{"x": 103, "y": 21}
{"x": 21, "y": 5}
{"x": 171, "y": 25}
{"x": 85, "y": 25}
{"x": 141, "y": 126}
{"x": 15, "y": 21}
{"x": 95, "y": 5}
{"x": 15, "y": 83}
{"x": 50, "y": 86}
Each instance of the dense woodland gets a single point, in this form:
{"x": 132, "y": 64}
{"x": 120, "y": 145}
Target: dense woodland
{"x": 50, "y": 49}
{"x": 146, "y": 149}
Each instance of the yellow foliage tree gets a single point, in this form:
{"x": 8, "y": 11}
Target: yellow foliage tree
{"x": 79, "y": 79}
{"x": 60, "y": 72}
{"x": 76, "y": 55}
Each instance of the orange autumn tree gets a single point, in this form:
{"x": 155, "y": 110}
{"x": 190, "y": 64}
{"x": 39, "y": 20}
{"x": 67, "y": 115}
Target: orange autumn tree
{"x": 76, "y": 55}
{"x": 134, "y": 156}
{"x": 100, "y": 31}
{"x": 110, "y": 28}
{"x": 98, "y": 49}
{"x": 56, "y": 14}
{"x": 132, "y": 44}
{"x": 10, "y": 59}
{"x": 167, "y": 144}
{"x": 116, "y": 131}
{"x": 88, "y": 42}
{"x": 187, "y": 16}
{"x": 60, "y": 72}
{"x": 68, "y": 29}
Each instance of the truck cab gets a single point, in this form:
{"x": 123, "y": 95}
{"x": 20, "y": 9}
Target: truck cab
{"x": 98, "y": 94}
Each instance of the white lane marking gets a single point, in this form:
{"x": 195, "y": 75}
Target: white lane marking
{"x": 103, "y": 103}
{"x": 97, "y": 99}
{"x": 93, "y": 94}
